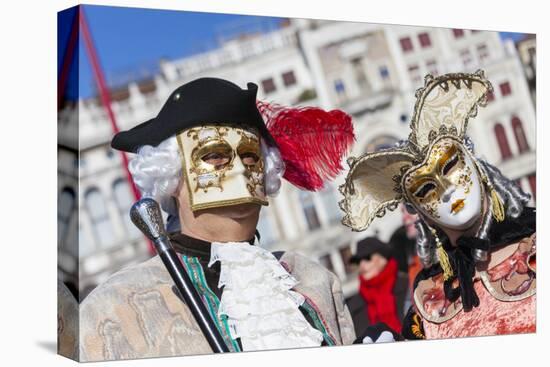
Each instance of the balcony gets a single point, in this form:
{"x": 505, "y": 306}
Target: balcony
{"x": 519, "y": 165}
{"x": 368, "y": 103}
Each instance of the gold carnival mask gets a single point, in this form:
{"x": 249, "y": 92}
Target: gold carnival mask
{"x": 446, "y": 187}
{"x": 434, "y": 171}
{"x": 222, "y": 166}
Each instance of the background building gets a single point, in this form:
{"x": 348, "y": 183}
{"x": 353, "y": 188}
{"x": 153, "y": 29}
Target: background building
{"x": 370, "y": 71}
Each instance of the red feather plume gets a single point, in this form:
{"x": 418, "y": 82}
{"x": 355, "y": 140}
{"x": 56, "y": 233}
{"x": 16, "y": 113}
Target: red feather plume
{"x": 312, "y": 141}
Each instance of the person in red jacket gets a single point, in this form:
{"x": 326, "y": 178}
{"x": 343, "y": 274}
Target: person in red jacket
{"x": 380, "y": 284}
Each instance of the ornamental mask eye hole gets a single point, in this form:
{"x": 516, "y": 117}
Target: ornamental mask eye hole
{"x": 424, "y": 190}
{"x": 249, "y": 158}
{"x": 213, "y": 156}
{"x": 249, "y": 152}
{"x": 450, "y": 164}
{"x": 217, "y": 159}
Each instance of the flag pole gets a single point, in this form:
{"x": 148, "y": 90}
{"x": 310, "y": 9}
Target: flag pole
{"x": 106, "y": 101}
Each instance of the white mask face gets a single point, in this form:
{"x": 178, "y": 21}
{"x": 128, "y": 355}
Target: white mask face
{"x": 446, "y": 188}
{"x": 223, "y": 166}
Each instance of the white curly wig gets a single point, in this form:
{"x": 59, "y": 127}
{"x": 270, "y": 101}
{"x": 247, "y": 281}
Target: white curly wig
{"x": 157, "y": 172}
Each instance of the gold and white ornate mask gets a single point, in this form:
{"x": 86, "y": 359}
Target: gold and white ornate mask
{"x": 446, "y": 187}
{"x": 434, "y": 171}
{"x": 222, "y": 166}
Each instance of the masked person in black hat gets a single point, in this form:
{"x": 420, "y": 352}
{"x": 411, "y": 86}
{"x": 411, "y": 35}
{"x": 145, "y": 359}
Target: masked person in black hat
{"x": 381, "y": 285}
{"x": 211, "y": 158}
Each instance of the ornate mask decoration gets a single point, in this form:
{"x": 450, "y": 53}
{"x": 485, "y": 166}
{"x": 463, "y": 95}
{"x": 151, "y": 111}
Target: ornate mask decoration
{"x": 222, "y": 166}
{"x": 446, "y": 187}
{"x": 434, "y": 171}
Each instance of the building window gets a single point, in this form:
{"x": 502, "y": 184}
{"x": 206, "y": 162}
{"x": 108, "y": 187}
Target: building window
{"x": 519, "y": 133}
{"x": 406, "y": 44}
{"x": 431, "y": 66}
{"x": 339, "y": 87}
{"x": 466, "y": 57}
{"x": 65, "y": 208}
{"x": 102, "y": 227}
{"x": 124, "y": 201}
{"x": 384, "y": 72}
{"x": 490, "y": 96}
{"x": 268, "y": 85}
{"x": 424, "y": 39}
{"x": 359, "y": 73}
{"x": 482, "y": 53}
{"x": 458, "y": 33}
{"x": 289, "y": 78}
{"x": 414, "y": 73}
{"x": 502, "y": 141}
{"x": 505, "y": 88}
{"x": 533, "y": 185}
{"x": 345, "y": 253}
{"x": 308, "y": 206}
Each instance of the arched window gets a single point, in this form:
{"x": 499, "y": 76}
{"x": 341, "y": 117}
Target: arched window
{"x": 521, "y": 140}
{"x": 102, "y": 227}
{"x": 308, "y": 205}
{"x": 65, "y": 208}
{"x": 124, "y": 201}
{"x": 502, "y": 141}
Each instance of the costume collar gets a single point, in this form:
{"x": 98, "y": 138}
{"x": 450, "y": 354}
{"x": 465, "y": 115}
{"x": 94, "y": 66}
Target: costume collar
{"x": 191, "y": 246}
{"x": 513, "y": 229}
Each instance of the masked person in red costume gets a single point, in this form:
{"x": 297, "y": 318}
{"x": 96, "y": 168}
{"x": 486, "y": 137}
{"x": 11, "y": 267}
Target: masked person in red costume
{"x": 381, "y": 285}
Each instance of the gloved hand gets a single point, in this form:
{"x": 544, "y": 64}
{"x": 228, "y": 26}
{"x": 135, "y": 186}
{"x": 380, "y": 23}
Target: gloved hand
{"x": 378, "y": 333}
{"x": 384, "y": 337}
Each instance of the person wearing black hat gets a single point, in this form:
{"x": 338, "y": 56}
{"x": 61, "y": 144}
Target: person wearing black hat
{"x": 381, "y": 285}
{"x": 211, "y": 158}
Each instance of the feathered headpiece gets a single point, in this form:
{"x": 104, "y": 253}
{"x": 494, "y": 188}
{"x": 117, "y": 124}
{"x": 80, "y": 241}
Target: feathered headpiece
{"x": 312, "y": 142}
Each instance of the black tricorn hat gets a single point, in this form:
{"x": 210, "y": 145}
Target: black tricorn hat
{"x": 201, "y": 101}
{"x": 369, "y": 246}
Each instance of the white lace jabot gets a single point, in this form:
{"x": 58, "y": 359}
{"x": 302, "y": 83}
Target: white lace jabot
{"x": 260, "y": 306}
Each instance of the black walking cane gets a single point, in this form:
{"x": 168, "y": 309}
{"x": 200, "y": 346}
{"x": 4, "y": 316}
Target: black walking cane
{"x": 145, "y": 214}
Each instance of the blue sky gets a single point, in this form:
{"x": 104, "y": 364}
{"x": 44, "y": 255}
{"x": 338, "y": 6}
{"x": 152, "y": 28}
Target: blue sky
{"x": 131, "y": 41}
